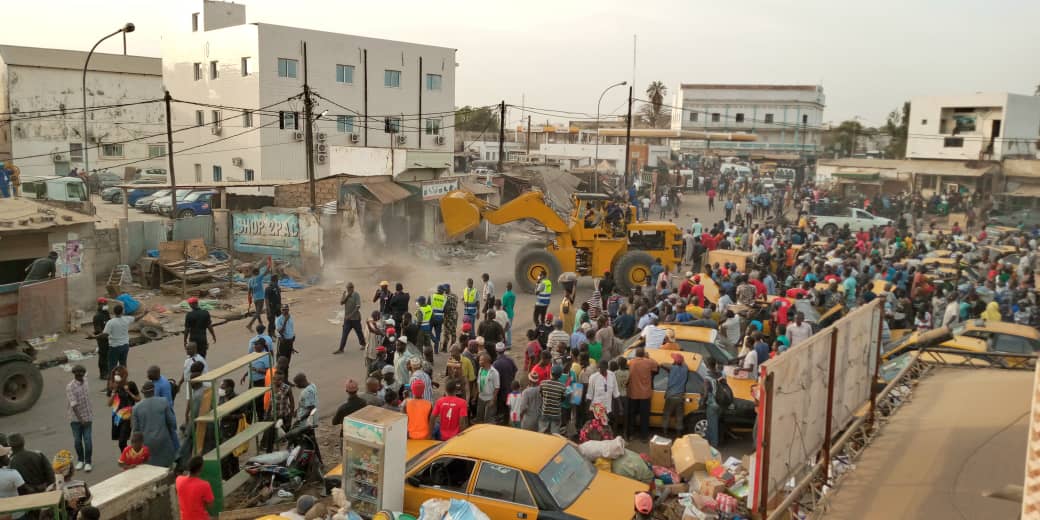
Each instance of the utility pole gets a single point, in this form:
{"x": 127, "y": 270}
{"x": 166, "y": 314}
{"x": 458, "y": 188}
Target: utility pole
{"x": 529, "y": 138}
{"x": 628, "y": 137}
{"x": 308, "y": 143}
{"x": 501, "y": 135}
{"x": 169, "y": 158}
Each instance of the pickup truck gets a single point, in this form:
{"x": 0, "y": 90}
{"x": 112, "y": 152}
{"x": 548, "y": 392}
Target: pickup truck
{"x": 857, "y": 219}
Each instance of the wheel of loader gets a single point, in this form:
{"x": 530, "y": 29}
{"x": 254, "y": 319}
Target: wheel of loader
{"x": 632, "y": 269}
{"x": 530, "y": 263}
{"x": 20, "y": 385}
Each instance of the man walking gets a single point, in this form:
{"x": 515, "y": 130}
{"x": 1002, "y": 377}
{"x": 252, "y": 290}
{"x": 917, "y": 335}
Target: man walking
{"x": 488, "y": 388}
{"x": 451, "y": 318}
{"x": 711, "y": 199}
{"x": 117, "y": 334}
{"x": 286, "y": 328}
{"x": 196, "y": 323}
{"x": 101, "y": 317}
{"x": 437, "y": 302}
{"x": 273, "y": 297}
{"x": 542, "y": 298}
{"x": 487, "y": 293}
{"x": 154, "y": 417}
{"x": 81, "y": 417}
{"x": 351, "y": 302}
{"x": 256, "y": 291}
{"x": 508, "y": 302}
{"x": 470, "y": 302}
{"x": 194, "y": 494}
{"x": 551, "y": 392}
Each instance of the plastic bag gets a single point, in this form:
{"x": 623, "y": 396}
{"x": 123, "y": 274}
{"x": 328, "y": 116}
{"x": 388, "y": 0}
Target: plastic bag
{"x": 631, "y": 465}
{"x": 130, "y": 305}
{"x": 242, "y": 425}
{"x": 440, "y": 509}
{"x": 611, "y": 449}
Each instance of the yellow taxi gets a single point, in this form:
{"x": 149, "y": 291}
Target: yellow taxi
{"x": 703, "y": 341}
{"x": 975, "y": 336}
{"x": 515, "y": 473}
{"x": 739, "y": 417}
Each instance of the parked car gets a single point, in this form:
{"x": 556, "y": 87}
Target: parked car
{"x": 740, "y": 416}
{"x": 194, "y": 203}
{"x": 70, "y": 189}
{"x": 857, "y": 220}
{"x": 973, "y": 337}
{"x": 137, "y": 194}
{"x": 702, "y": 341}
{"x": 115, "y": 195}
{"x": 146, "y": 201}
{"x": 107, "y": 179}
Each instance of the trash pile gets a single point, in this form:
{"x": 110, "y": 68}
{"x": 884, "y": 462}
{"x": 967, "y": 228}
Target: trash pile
{"x": 446, "y": 253}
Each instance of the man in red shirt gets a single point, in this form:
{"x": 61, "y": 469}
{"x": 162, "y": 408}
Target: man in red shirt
{"x": 711, "y": 199}
{"x": 194, "y": 495}
{"x": 697, "y": 291}
{"x": 708, "y": 241}
{"x": 760, "y": 288}
{"x": 450, "y": 412}
{"x": 686, "y": 286}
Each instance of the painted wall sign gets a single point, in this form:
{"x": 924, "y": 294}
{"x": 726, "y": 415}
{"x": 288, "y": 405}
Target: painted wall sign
{"x": 276, "y": 234}
{"x": 437, "y": 189}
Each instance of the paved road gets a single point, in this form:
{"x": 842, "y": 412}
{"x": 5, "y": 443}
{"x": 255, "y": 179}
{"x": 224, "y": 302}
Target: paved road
{"x": 963, "y": 432}
{"x": 47, "y": 429}
{"x": 109, "y": 213}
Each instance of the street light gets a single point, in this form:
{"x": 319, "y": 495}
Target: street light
{"x": 595, "y": 162}
{"x": 128, "y": 28}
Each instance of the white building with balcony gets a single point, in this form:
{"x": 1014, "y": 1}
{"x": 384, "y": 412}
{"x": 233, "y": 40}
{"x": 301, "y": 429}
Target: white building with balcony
{"x": 242, "y": 116}
{"x": 972, "y": 127}
{"x": 40, "y": 90}
{"x": 785, "y": 118}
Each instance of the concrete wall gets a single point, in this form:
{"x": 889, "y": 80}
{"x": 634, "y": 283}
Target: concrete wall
{"x": 108, "y": 253}
{"x": 82, "y": 288}
{"x": 1021, "y": 130}
{"x": 31, "y": 89}
{"x": 367, "y": 161}
{"x": 931, "y": 123}
{"x": 289, "y": 235}
{"x": 299, "y": 195}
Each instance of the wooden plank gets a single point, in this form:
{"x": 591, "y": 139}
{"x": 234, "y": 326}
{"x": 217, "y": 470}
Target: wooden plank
{"x": 239, "y": 439}
{"x": 239, "y": 401}
{"x": 255, "y": 512}
{"x": 235, "y": 482}
{"x": 228, "y": 368}
{"x": 30, "y": 502}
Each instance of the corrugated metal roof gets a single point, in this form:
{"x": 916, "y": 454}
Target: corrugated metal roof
{"x": 66, "y": 59}
{"x": 917, "y": 166}
{"x": 387, "y": 192}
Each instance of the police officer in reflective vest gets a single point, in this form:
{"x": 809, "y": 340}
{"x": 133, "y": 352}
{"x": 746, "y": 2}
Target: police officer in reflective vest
{"x": 470, "y": 302}
{"x": 543, "y": 293}
{"x": 437, "y": 302}
{"x": 424, "y": 316}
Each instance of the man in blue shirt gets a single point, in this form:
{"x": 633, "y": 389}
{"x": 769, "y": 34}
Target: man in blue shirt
{"x": 675, "y": 393}
{"x": 256, "y": 289}
{"x": 285, "y": 327}
{"x": 761, "y": 348}
{"x": 261, "y": 333}
{"x": 161, "y": 384}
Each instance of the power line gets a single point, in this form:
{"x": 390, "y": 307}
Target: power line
{"x": 64, "y": 113}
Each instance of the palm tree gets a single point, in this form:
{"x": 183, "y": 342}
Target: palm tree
{"x": 656, "y": 92}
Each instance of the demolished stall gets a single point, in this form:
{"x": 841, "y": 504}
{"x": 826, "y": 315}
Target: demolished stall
{"x": 293, "y": 236}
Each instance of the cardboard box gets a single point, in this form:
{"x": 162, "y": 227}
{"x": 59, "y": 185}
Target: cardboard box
{"x": 704, "y": 503}
{"x": 661, "y": 451}
{"x": 712, "y": 487}
{"x": 690, "y": 453}
{"x": 692, "y": 513}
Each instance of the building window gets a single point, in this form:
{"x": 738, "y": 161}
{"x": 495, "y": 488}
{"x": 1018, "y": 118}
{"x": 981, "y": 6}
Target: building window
{"x": 693, "y": 117}
{"x": 247, "y": 119}
{"x": 212, "y": 70}
{"x": 716, "y": 117}
{"x": 345, "y": 124}
{"x": 924, "y": 122}
{"x": 200, "y": 118}
{"x": 112, "y": 150}
{"x": 289, "y": 120}
{"x": 392, "y": 125}
{"x": 156, "y": 150}
{"x": 218, "y": 173}
{"x": 76, "y": 151}
{"x": 215, "y": 114}
{"x": 287, "y": 68}
{"x": 953, "y": 142}
{"x": 392, "y": 78}
{"x": 249, "y": 174}
{"x": 198, "y": 71}
{"x": 198, "y": 172}
{"x": 345, "y": 74}
{"x": 769, "y": 119}
{"x": 433, "y": 82}
{"x": 433, "y": 127}
{"x": 740, "y": 117}
{"x": 247, "y": 66}
{"x": 805, "y": 119}
{"x": 194, "y": 22}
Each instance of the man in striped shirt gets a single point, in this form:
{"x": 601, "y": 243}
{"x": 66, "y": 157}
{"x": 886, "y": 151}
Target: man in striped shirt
{"x": 552, "y": 392}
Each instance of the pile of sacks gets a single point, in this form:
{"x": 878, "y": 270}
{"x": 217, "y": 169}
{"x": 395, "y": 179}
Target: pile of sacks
{"x": 613, "y": 457}
{"x": 706, "y": 486}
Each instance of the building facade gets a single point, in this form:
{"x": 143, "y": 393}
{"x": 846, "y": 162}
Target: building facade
{"x": 784, "y": 118}
{"x": 973, "y": 127}
{"x": 41, "y": 91}
{"x": 241, "y": 85}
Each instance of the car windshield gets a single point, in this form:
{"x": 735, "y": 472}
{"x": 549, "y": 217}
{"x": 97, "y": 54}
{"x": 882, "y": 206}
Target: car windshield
{"x": 567, "y": 475}
{"x": 705, "y": 350}
{"x": 958, "y": 330}
{"x": 195, "y": 196}
{"x": 160, "y": 193}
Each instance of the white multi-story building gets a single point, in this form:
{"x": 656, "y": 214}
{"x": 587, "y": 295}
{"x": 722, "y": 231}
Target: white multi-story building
{"x": 41, "y": 93}
{"x": 785, "y": 118}
{"x": 220, "y": 66}
{"x": 981, "y": 126}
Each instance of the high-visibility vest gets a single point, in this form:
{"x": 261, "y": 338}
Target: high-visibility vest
{"x": 469, "y": 300}
{"x": 427, "y": 314}
{"x": 543, "y": 296}
{"x": 437, "y": 301}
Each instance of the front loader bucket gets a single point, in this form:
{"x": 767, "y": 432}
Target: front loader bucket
{"x": 461, "y": 215}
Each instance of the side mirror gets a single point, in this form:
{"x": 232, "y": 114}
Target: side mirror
{"x": 413, "y": 481}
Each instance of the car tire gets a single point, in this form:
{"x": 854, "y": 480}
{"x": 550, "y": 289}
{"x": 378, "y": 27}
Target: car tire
{"x": 185, "y": 213}
{"x": 696, "y": 423}
{"x": 830, "y": 230}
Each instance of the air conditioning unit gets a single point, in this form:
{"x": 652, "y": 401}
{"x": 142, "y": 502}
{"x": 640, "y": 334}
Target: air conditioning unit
{"x": 216, "y": 130}
{"x": 439, "y": 139}
{"x": 58, "y": 157}
{"x": 237, "y": 161}
{"x": 322, "y": 148}
{"x": 321, "y": 136}
{"x": 354, "y": 138}
{"x": 401, "y": 139}
{"x": 297, "y": 135}
{"x": 321, "y": 158}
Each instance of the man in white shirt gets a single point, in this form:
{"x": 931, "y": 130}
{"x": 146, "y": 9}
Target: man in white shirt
{"x": 192, "y": 353}
{"x": 487, "y": 294}
{"x": 800, "y": 330}
{"x": 603, "y": 387}
{"x": 117, "y": 330}
{"x": 653, "y": 336}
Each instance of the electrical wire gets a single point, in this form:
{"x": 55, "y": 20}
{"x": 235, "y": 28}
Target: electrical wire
{"x": 61, "y": 112}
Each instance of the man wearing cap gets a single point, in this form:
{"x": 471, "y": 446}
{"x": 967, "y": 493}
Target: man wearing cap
{"x": 686, "y": 285}
{"x": 675, "y": 393}
{"x": 80, "y": 416}
{"x": 286, "y": 328}
{"x": 543, "y": 297}
{"x": 382, "y": 298}
{"x": 697, "y": 291}
{"x": 196, "y": 322}
{"x": 437, "y": 302}
{"x": 303, "y": 504}
{"x": 351, "y": 405}
{"x": 451, "y": 317}
{"x": 351, "y": 302}
{"x": 530, "y": 405}
{"x": 415, "y": 366}
{"x": 101, "y": 317}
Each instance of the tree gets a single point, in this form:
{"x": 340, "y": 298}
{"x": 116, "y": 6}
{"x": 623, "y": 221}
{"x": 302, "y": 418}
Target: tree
{"x": 478, "y": 119}
{"x": 649, "y": 117}
{"x": 654, "y": 114}
{"x": 897, "y": 126}
{"x": 840, "y": 139}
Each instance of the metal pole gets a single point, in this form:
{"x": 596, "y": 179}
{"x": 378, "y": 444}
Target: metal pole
{"x": 763, "y": 492}
{"x": 595, "y": 160}
{"x": 86, "y": 63}
{"x": 628, "y": 137}
{"x": 169, "y": 157}
{"x": 501, "y": 135}
{"x": 825, "y": 452}
{"x": 308, "y": 129}
{"x": 528, "y": 138}
{"x": 877, "y": 365}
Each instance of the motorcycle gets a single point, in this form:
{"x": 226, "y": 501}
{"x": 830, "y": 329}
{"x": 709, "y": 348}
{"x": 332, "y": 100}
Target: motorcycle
{"x": 288, "y": 469}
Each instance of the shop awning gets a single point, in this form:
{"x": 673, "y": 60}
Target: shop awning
{"x": 857, "y": 176}
{"x": 385, "y": 192}
{"x": 479, "y": 188}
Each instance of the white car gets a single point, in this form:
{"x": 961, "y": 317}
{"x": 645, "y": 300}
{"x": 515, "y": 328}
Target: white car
{"x": 857, "y": 219}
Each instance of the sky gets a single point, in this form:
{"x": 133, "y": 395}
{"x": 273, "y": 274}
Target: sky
{"x": 561, "y": 54}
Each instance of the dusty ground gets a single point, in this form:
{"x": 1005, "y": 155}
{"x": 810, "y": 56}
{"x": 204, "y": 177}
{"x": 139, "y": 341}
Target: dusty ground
{"x": 963, "y": 432}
